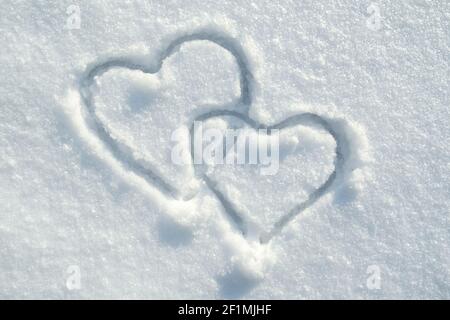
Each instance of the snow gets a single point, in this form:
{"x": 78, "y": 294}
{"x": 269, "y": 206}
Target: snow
{"x": 92, "y": 205}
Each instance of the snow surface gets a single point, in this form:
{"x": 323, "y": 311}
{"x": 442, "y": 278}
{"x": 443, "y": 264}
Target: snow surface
{"x": 86, "y": 124}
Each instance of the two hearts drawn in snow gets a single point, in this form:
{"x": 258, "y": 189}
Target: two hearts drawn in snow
{"x": 123, "y": 152}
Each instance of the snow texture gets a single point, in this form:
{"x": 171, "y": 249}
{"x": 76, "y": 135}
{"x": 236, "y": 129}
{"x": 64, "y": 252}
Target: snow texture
{"x": 94, "y": 96}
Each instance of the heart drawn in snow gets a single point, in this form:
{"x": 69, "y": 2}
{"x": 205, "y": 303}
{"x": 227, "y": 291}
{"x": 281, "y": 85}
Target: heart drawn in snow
{"x": 123, "y": 147}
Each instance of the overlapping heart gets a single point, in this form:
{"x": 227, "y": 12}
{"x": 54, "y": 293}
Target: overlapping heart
{"x": 124, "y": 153}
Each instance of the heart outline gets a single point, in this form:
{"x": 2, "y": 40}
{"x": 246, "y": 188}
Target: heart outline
{"x": 121, "y": 150}
{"x": 306, "y": 118}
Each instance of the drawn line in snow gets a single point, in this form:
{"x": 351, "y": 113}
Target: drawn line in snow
{"x": 124, "y": 152}
{"x": 308, "y": 119}
{"x": 150, "y": 174}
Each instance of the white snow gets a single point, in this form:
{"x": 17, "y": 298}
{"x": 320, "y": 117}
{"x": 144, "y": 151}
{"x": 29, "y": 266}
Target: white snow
{"x": 92, "y": 205}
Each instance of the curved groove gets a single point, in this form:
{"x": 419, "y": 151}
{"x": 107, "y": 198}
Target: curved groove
{"x": 307, "y": 119}
{"x": 122, "y": 151}
{"x": 229, "y": 44}
{"x": 231, "y": 211}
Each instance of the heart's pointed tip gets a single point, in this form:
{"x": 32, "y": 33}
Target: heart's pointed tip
{"x": 264, "y": 238}
{"x": 189, "y": 194}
